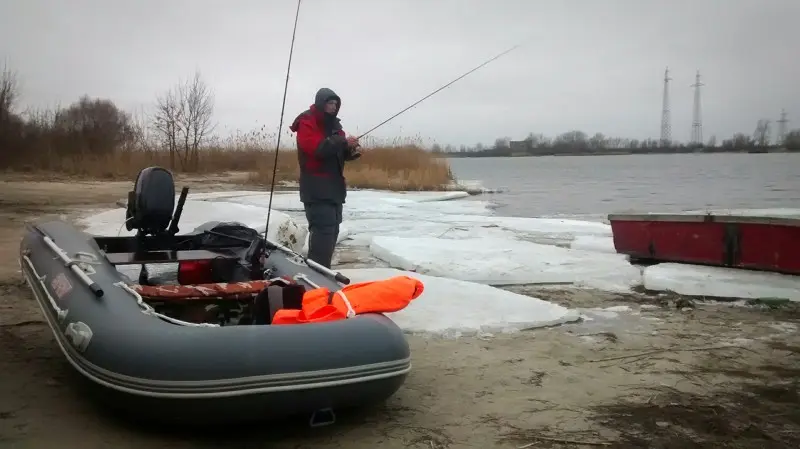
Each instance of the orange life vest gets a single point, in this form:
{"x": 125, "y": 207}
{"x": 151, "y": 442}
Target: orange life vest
{"x": 384, "y": 296}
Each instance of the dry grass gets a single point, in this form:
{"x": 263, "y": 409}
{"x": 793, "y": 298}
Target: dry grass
{"x": 93, "y": 139}
{"x": 391, "y": 167}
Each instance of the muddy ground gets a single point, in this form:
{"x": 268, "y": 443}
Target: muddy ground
{"x": 664, "y": 372}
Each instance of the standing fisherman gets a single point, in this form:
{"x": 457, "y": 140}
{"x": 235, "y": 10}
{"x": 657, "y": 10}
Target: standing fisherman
{"x": 322, "y": 150}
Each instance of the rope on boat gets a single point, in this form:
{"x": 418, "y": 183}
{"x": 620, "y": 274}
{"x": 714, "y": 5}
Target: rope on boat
{"x": 62, "y": 313}
{"x": 350, "y": 311}
{"x": 147, "y": 309}
{"x": 80, "y": 268}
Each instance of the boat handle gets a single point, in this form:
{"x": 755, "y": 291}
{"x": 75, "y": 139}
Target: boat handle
{"x": 61, "y": 313}
{"x": 73, "y": 265}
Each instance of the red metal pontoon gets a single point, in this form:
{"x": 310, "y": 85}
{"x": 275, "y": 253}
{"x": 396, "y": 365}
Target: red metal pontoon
{"x": 738, "y": 241}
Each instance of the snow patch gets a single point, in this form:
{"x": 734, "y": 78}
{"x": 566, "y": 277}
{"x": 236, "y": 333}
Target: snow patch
{"x": 505, "y": 262}
{"x": 454, "y": 308}
{"x": 600, "y": 244}
{"x": 697, "y": 280}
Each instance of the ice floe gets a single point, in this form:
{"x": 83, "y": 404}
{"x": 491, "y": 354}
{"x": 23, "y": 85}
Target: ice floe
{"x": 450, "y": 307}
{"x": 457, "y": 245}
{"x": 696, "y": 280}
{"x": 498, "y": 261}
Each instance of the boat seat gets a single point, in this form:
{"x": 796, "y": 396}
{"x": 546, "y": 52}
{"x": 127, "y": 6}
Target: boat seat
{"x": 154, "y": 257}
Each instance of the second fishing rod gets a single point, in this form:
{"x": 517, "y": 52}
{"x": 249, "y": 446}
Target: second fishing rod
{"x": 493, "y": 58}
{"x": 311, "y": 263}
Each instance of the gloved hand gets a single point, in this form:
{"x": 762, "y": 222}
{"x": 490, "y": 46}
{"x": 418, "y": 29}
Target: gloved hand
{"x": 353, "y": 154}
{"x": 338, "y": 139}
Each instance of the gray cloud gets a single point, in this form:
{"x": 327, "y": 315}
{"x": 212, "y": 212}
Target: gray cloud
{"x": 590, "y": 65}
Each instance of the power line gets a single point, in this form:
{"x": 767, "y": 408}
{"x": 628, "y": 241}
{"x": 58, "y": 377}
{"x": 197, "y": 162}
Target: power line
{"x": 782, "y": 127}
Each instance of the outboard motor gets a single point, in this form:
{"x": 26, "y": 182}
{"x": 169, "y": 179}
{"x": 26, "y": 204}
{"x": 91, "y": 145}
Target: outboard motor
{"x": 150, "y": 207}
{"x": 151, "y": 202}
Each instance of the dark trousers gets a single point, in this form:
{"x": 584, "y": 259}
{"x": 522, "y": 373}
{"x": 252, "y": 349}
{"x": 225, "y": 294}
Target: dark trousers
{"x": 324, "y": 219}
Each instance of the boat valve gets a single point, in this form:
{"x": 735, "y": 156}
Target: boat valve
{"x": 322, "y": 417}
{"x": 79, "y": 334}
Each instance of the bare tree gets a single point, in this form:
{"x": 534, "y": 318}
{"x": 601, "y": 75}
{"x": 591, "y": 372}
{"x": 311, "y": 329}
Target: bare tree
{"x": 599, "y": 141}
{"x": 165, "y": 123}
{"x": 9, "y": 91}
{"x": 94, "y": 126}
{"x": 183, "y": 119}
{"x": 11, "y": 124}
{"x": 198, "y": 103}
{"x": 502, "y": 143}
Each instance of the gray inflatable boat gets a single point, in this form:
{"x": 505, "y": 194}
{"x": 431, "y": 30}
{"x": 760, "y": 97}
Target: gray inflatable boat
{"x": 211, "y": 356}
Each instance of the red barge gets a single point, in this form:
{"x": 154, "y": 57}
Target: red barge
{"x": 737, "y": 241}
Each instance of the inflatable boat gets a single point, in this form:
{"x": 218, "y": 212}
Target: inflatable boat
{"x": 202, "y": 347}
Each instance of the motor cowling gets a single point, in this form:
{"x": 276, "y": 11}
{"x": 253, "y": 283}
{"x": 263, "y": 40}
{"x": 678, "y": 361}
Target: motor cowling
{"x": 152, "y": 201}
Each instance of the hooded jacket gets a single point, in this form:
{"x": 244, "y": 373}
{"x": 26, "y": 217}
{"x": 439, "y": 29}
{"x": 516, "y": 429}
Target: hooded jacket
{"x": 321, "y": 151}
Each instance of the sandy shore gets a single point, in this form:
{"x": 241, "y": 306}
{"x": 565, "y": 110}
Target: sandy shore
{"x": 652, "y": 371}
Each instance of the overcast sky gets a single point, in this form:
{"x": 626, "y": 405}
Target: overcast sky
{"x": 592, "y": 65}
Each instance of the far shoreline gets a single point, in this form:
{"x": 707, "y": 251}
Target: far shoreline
{"x": 476, "y": 155}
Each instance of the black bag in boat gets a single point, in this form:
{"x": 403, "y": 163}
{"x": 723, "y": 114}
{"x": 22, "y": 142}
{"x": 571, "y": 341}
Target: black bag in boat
{"x": 223, "y": 234}
{"x": 215, "y": 235}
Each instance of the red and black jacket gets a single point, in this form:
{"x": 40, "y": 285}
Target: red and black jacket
{"x": 321, "y": 152}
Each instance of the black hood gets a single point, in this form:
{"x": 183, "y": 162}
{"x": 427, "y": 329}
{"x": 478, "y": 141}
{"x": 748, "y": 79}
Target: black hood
{"x": 322, "y": 97}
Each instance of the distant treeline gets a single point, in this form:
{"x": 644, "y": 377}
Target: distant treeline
{"x": 580, "y": 143}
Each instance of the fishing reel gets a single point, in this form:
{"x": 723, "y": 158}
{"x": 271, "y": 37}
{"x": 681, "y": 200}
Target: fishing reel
{"x": 256, "y": 258}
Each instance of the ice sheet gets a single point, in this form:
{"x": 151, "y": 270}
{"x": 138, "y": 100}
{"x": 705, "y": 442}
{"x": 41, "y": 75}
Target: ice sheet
{"x": 473, "y": 187}
{"x": 594, "y": 243}
{"x": 442, "y": 225}
{"x": 463, "y": 219}
{"x": 282, "y": 228}
{"x": 454, "y": 308}
{"x": 357, "y": 200}
{"x": 498, "y": 261}
{"x": 447, "y": 235}
{"x": 719, "y": 282}
{"x": 453, "y": 219}
{"x": 209, "y": 196}
{"x": 452, "y": 235}
{"x": 451, "y": 215}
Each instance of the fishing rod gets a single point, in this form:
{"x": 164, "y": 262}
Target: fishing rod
{"x": 280, "y": 125}
{"x": 312, "y": 263}
{"x": 441, "y": 88}
{"x": 339, "y": 277}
